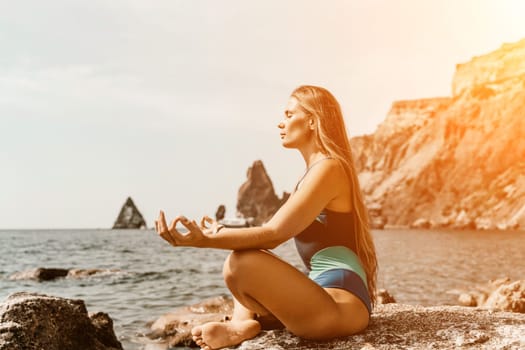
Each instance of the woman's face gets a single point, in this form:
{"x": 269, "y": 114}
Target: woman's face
{"x": 295, "y": 128}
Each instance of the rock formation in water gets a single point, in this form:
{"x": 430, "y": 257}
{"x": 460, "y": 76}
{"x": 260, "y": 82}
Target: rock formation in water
{"x": 40, "y": 274}
{"x": 456, "y": 161}
{"x": 129, "y": 217}
{"x": 221, "y": 211}
{"x": 30, "y": 321}
{"x": 256, "y": 198}
{"x": 49, "y": 274}
{"x": 393, "y": 326}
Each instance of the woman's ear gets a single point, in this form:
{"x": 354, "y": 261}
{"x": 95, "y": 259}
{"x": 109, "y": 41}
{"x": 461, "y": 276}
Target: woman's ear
{"x": 311, "y": 123}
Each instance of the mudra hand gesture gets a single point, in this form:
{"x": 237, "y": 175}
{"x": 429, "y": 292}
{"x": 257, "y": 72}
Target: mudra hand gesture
{"x": 196, "y": 233}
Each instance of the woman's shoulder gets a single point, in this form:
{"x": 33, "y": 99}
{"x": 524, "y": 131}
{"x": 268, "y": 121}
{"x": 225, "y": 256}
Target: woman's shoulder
{"x": 336, "y": 179}
{"x": 332, "y": 166}
{"x": 328, "y": 173}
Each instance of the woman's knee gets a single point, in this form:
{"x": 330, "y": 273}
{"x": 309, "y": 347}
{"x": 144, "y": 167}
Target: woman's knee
{"x": 240, "y": 262}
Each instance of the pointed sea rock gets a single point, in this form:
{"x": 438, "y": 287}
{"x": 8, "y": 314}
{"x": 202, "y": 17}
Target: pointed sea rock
{"x": 129, "y": 217}
{"x": 256, "y": 198}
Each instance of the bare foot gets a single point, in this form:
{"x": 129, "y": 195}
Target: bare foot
{"x": 216, "y": 335}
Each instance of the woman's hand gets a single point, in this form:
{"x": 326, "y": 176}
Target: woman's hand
{"x": 214, "y": 225}
{"x": 196, "y": 236}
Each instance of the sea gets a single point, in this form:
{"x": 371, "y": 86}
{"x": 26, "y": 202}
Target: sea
{"x": 426, "y": 267}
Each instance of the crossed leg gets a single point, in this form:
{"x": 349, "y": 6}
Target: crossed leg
{"x": 262, "y": 284}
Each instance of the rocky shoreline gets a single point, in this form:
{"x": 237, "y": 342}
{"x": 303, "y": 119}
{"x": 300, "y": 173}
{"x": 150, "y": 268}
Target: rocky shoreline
{"x": 34, "y": 321}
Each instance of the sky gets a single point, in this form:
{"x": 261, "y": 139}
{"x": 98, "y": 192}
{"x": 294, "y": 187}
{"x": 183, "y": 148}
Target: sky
{"x": 170, "y": 102}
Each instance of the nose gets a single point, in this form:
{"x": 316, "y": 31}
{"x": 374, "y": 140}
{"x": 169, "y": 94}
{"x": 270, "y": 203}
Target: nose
{"x": 280, "y": 125}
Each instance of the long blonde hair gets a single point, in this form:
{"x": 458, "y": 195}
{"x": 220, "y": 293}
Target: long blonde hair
{"x": 333, "y": 140}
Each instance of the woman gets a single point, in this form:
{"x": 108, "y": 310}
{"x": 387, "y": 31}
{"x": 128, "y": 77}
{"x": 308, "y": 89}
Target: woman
{"x": 327, "y": 217}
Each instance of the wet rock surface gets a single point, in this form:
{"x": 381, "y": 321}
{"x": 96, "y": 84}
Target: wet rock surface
{"x": 30, "y": 321}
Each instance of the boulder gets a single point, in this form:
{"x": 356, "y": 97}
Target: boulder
{"x": 384, "y": 297}
{"x": 392, "y": 326}
{"x": 30, "y": 321}
{"x": 463, "y": 222}
{"x": 129, "y": 217}
{"x": 256, "y": 197}
{"x": 501, "y": 294}
{"x": 508, "y": 297}
{"x": 421, "y": 223}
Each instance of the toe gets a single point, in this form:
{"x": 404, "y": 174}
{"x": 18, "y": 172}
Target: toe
{"x": 196, "y": 331}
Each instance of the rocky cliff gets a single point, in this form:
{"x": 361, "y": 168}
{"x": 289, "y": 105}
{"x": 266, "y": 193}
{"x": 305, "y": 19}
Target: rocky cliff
{"x": 456, "y": 161}
{"x": 493, "y": 68}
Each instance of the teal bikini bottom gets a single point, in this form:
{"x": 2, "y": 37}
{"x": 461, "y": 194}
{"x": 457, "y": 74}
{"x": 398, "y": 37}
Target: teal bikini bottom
{"x": 339, "y": 267}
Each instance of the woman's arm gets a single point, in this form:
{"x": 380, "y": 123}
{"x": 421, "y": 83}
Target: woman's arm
{"x": 322, "y": 184}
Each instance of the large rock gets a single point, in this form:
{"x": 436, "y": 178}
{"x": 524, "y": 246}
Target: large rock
{"x": 393, "y": 326}
{"x": 397, "y": 326}
{"x": 256, "y": 198}
{"x": 455, "y": 161}
{"x": 502, "y": 294}
{"x": 129, "y": 217}
{"x": 30, "y": 321}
